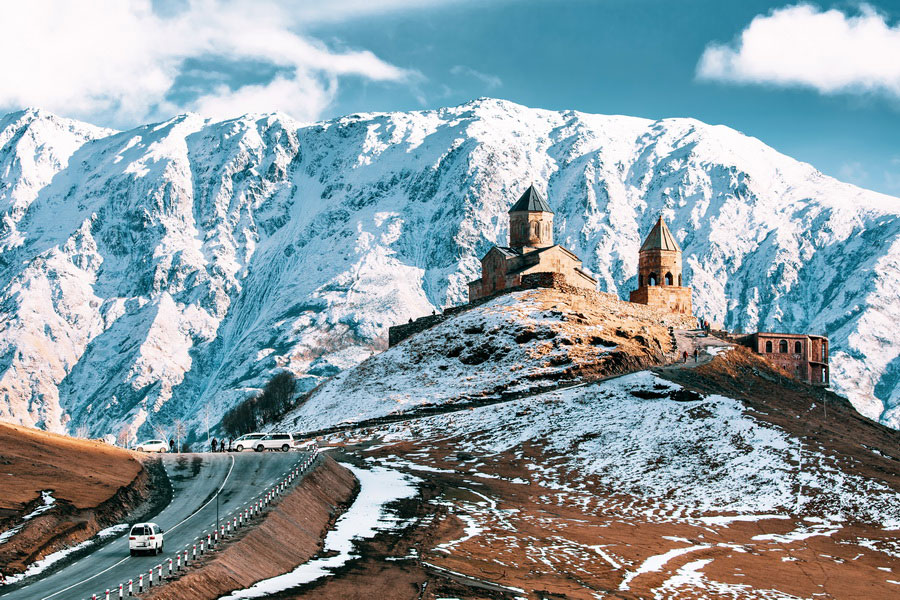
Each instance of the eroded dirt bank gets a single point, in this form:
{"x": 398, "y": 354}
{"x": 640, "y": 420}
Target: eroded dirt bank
{"x": 286, "y": 537}
{"x": 58, "y": 491}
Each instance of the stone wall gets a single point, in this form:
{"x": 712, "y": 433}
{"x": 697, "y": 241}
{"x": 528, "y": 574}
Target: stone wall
{"x": 663, "y": 297}
{"x": 531, "y": 281}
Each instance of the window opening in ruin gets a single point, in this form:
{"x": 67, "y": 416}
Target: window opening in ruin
{"x": 783, "y": 346}
{"x": 769, "y": 347}
{"x": 668, "y": 279}
{"x": 798, "y": 348}
{"x": 651, "y": 280}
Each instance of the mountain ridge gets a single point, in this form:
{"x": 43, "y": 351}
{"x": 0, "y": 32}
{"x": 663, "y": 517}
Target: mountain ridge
{"x": 176, "y": 266}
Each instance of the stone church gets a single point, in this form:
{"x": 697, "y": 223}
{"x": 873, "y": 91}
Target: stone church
{"x": 531, "y": 250}
{"x": 659, "y": 273}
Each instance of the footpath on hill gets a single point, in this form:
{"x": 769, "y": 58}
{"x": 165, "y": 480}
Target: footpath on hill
{"x": 690, "y": 340}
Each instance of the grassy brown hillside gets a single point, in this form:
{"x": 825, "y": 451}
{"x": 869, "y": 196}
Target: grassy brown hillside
{"x": 69, "y": 488}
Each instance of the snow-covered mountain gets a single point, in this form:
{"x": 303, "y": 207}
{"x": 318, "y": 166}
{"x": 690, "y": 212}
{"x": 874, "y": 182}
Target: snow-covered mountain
{"x": 167, "y": 271}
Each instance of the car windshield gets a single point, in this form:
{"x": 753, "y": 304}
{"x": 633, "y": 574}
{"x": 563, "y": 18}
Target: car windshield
{"x": 140, "y": 530}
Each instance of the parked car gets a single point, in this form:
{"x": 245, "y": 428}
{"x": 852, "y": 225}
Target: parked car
{"x": 152, "y": 446}
{"x": 247, "y": 441}
{"x": 278, "y": 441}
{"x": 145, "y": 537}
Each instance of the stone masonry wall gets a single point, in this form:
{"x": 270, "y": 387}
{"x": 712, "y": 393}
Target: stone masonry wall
{"x": 530, "y": 281}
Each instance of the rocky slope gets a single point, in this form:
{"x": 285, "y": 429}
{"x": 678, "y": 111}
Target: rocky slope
{"x": 517, "y": 344}
{"x": 167, "y": 271}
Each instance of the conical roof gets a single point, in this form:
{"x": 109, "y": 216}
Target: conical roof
{"x": 660, "y": 238}
{"x": 531, "y": 201}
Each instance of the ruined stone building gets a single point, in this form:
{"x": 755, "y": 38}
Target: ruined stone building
{"x": 531, "y": 250}
{"x": 803, "y": 356}
{"x": 660, "y": 283}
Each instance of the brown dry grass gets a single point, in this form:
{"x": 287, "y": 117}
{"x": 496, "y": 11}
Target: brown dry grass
{"x": 83, "y": 473}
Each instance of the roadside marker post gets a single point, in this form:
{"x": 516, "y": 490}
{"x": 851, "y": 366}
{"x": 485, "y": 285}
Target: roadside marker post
{"x": 194, "y": 552}
{"x": 150, "y": 579}
{"x": 121, "y": 591}
{"x": 185, "y": 557}
{"x": 131, "y": 587}
{"x": 159, "y": 573}
{"x": 141, "y": 583}
{"x": 107, "y": 594}
{"x": 178, "y": 562}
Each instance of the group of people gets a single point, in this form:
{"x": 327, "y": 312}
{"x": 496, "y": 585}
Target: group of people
{"x": 684, "y": 355}
{"x": 218, "y": 446}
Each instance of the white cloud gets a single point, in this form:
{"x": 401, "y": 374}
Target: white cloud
{"x": 117, "y": 61}
{"x": 801, "y": 45}
{"x": 490, "y": 81}
{"x": 345, "y": 10}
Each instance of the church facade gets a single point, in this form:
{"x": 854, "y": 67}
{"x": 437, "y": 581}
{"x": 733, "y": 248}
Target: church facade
{"x": 660, "y": 282}
{"x": 531, "y": 250}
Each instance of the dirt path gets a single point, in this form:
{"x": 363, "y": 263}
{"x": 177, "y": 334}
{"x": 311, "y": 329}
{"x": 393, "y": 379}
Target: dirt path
{"x": 689, "y": 340}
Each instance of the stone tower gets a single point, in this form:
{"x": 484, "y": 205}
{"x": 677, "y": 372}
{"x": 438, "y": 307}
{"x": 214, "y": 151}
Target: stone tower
{"x": 530, "y": 221}
{"x": 659, "y": 272}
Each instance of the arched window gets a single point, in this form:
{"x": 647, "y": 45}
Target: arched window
{"x": 668, "y": 279}
{"x": 679, "y": 280}
{"x": 651, "y": 279}
{"x": 535, "y": 229}
{"x": 769, "y": 347}
{"x": 783, "y": 346}
{"x": 798, "y": 348}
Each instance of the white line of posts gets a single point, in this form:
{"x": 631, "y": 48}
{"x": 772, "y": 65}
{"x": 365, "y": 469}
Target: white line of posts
{"x": 241, "y": 519}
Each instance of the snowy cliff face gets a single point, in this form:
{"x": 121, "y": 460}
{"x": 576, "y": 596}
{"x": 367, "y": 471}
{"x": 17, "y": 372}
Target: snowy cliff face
{"x": 167, "y": 271}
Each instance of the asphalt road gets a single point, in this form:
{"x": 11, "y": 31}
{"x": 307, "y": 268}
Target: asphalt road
{"x": 196, "y": 480}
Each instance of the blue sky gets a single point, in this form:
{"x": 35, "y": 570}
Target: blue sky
{"x": 820, "y": 82}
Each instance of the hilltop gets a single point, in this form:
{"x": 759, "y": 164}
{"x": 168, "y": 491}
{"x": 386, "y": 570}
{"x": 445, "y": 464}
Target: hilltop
{"x": 517, "y": 344}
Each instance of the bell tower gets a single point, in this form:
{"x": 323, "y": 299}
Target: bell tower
{"x": 530, "y": 222}
{"x": 659, "y": 272}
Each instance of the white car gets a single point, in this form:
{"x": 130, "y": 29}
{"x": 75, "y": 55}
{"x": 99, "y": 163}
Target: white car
{"x": 152, "y": 446}
{"x": 278, "y": 441}
{"x": 247, "y": 441}
{"x": 145, "y": 537}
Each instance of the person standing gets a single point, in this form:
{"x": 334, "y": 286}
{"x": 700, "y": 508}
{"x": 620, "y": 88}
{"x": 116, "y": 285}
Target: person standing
{"x": 213, "y": 444}
{"x": 171, "y": 445}
{"x": 684, "y": 356}
{"x": 696, "y": 354}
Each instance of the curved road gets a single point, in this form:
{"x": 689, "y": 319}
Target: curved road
{"x": 196, "y": 479}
